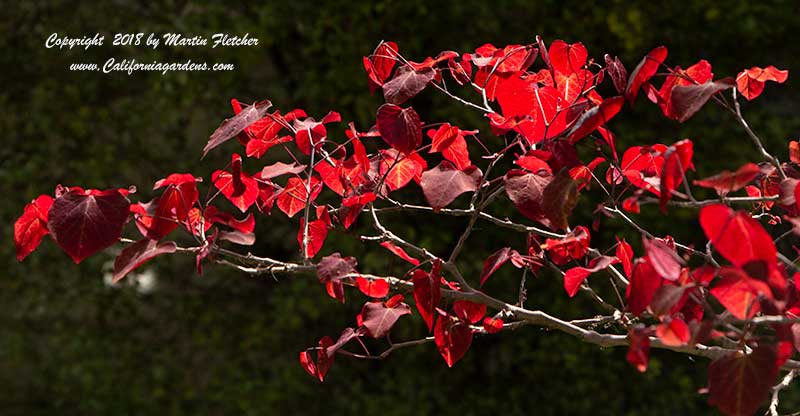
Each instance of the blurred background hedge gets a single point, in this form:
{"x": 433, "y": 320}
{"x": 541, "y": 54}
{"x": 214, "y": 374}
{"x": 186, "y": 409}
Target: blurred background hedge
{"x": 226, "y": 343}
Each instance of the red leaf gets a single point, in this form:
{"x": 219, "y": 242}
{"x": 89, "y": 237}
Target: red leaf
{"x": 31, "y": 226}
{"x": 750, "y": 82}
{"x": 137, "y": 254}
{"x": 237, "y": 186}
{"x": 595, "y": 117}
{"x": 449, "y": 140}
{"x": 567, "y": 58}
{"x": 644, "y": 71}
{"x": 85, "y": 222}
{"x": 406, "y": 84}
{"x": 738, "y": 384}
{"x": 677, "y": 160}
{"x": 727, "y": 181}
{"x": 378, "y": 318}
{"x": 400, "y": 169}
{"x": 573, "y": 246}
{"x": 739, "y": 293}
{"x": 293, "y": 197}
{"x": 317, "y": 232}
{"x": 643, "y": 286}
{"x": 379, "y": 65}
{"x": 574, "y": 277}
{"x": 375, "y": 288}
{"x": 174, "y": 204}
{"x": 625, "y": 255}
{"x": 399, "y": 252}
{"x": 736, "y": 235}
{"x": 674, "y": 333}
{"x": 232, "y": 126}
{"x": 688, "y": 99}
{"x": 469, "y": 312}
{"x": 499, "y": 258}
{"x": 638, "y": 348}
{"x": 401, "y": 128}
{"x": 443, "y": 183}
{"x": 353, "y": 206}
{"x": 492, "y": 325}
{"x": 452, "y": 338}
{"x": 427, "y": 293}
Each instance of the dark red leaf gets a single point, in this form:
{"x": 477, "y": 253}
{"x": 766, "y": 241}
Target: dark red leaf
{"x": 443, "y": 183}
{"x": 499, "y": 258}
{"x": 377, "y": 318}
{"x": 616, "y": 70}
{"x": 232, "y": 126}
{"x": 427, "y": 294}
{"x": 335, "y": 267}
{"x": 406, "y": 84}
{"x": 639, "y": 347}
{"x": 739, "y": 383}
{"x": 559, "y": 199}
{"x": 687, "y": 99}
{"x": 139, "y": 253}
{"x": 401, "y": 128}
{"x": 526, "y": 191}
{"x": 83, "y": 223}
{"x": 452, "y": 338}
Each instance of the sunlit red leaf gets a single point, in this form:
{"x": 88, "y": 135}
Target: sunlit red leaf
{"x": 375, "y": 288}
{"x": 595, "y": 117}
{"x": 673, "y": 333}
{"x": 644, "y": 71}
{"x": 739, "y": 293}
{"x": 294, "y": 196}
{"x": 492, "y": 325}
{"x": 31, "y": 226}
{"x": 399, "y": 252}
{"x": 643, "y": 286}
{"x": 736, "y": 235}
{"x": 750, "y": 82}
{"x": 237, "y": 186}
{"x": 574, "y": 277}
{"x": 624, "y": 253}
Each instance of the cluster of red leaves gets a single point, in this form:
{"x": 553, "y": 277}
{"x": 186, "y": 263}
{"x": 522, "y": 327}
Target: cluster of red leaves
{"x": 550, "y": 102}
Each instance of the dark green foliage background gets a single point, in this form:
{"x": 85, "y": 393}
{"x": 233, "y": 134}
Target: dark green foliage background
{"x": 226, "y": 343}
